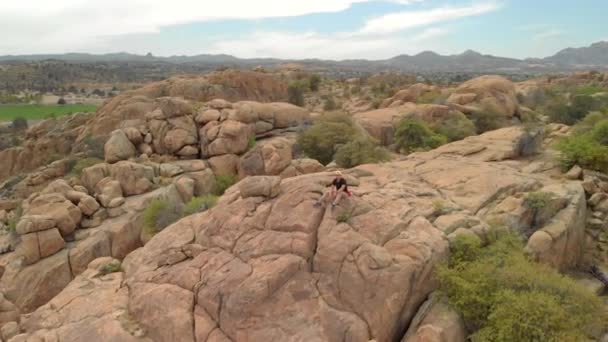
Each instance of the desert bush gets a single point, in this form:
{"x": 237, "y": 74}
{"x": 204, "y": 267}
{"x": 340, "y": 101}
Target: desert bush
{"x": 537, "y": 200}
{"x": 362, "y": 150}
{"x": 61, "y": 101}
{"x": 376, "y": 102}
{"x": 198, "y": 204}
{"x": 330, "y": 104}
{"x": 111, "y": 267}
{"x": 457, "y": 127}
{"x": 314, "y": 82}
{"x": 94, "y": 147}
{"x": 295, "y": 93}
{"x": 82, "y": 164}
{"x": 321, "y": 141}
{"x": 464, "y": 249}
{"x": 487, "y": 121}
{"x": 223, "y": 182}
{"x": 19, "y": 124}
{"x": 432, "y": 97}
{"x": 504, "y": 296}
{"x": 251, "y": 143}
{"x": 586, "y": 147}
{"x": 344, "y": 217}
{"x": 159, "y": 215}
{"x": 413, "y": 135}
{"x": 589, "y": 121}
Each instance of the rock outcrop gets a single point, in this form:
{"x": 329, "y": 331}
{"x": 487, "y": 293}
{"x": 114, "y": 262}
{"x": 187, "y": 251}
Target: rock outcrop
{"x": 266, "y": 264}
{"x": 486, "y": 93}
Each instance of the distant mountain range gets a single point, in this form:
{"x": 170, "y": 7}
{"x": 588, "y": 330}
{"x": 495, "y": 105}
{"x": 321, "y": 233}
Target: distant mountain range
{"x": 594, "y": 56}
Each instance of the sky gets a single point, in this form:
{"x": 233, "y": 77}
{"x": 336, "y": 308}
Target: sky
{"x": 298, "y": 29}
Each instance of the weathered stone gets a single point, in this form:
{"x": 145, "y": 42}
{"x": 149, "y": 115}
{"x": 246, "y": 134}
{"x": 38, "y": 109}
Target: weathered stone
{"x": 170, "y": 170}
{"x": 116, "y": 202}
{"x": 575, "y": 172}
{"x": 9, "y": 330}
{"x": 204, "y": 182}
{"x": 34, "y": 285}
{"x": 118, "y": 147}
{"x": 115, "y": 212}
{"x": 185, "y": 186}
{"x": 91, "y": 176}
{"x": 226, "y": 164}
{"x": 260, "y": 186}
{"x": 437, "y": 322}
{"x": 95, "y": 246}
{"x": 88, "y": 205}
{"x": 34, "y": 223}
{"x": 29, "y": 249}
{"x": 50, "y": 242}
{"x": 134, "y": 178}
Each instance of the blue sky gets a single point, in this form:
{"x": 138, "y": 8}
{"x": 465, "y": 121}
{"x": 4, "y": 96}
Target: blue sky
{"x": 332, "y": 29}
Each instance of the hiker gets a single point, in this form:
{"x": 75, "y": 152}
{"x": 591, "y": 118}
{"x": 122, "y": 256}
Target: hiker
{"x": 338, "y": 188}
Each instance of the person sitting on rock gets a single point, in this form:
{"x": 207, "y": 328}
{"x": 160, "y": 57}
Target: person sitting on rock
{"x": 338, "y": 188}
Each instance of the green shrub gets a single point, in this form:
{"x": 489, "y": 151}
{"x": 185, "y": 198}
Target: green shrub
{"x": 486, "y": 121}
{"x": 599, "y": 133}
{"x": 464, "y": 249}
{"x": 457, "y": 127}
{"x": 586, "y": 147}
{"x": 362, "y": 150}
{"x": 413, "y": 135}
{"x": 344, "y": 217}
{"x": 83, "y": 164}
{"x": 314, "y": 81}
{"x": 537, "y": 200}
{"x": 589, "y": 121}
{"x": 223, "y": 182}
{"x": 94, "y": 147}
{"x": 376, "y": 103}
{"x": 321, "y": 141}
{"x": 432, "y": 97}
{"x": 504, "y": 296}
{"x": 111, "y": 267}
{"x": 159, "y": 215}
{"x": 330, "y": 104}
{"x": 295, "y": 93}
{"x": 251, "y": 143}
{"x": 199, "y": 204}
{"x": 19, "y": 124}
{"x": 561, "y": 112}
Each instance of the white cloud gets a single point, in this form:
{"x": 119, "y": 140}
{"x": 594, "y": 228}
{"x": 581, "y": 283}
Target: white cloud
{"x": 395, "y": 22}
{"x": 547, "y": 34}
{"x": 324, "y": 46}
{"x": 35, "y": 26}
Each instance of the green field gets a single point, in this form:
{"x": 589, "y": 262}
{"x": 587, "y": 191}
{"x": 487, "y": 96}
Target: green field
{"x": 35, "y": 112}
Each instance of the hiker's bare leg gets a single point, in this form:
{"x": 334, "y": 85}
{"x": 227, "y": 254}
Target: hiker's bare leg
{"x": 338, "y": 198}
{"x": 327, "y": 194}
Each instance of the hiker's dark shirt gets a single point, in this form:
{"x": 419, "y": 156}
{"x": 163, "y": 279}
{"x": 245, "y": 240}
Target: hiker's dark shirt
{"x": 338, "y": 182}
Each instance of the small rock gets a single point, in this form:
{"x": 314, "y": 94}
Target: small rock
{"x": 260, "y": 186}
{"x": 597, "y": 198}
{"x": 88, "y": 205}
{"x": 575, "y": 173}
{"x": 9, "y": 330}
{"x": 595, "y": 224}
{"x": 116, "y": 202}
{"x": 81, "y": 188}
{"x": 603, "y": 206}
{"x": 115, "y": 212}
{"x": 170, "y": 170}
{"x": 590, "y": 185}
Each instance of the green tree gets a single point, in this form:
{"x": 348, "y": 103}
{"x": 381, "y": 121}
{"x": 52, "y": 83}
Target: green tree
{"x": 321, "y": 141}
{"x": 314, "y": 82}
{"x": 413, "y": 135}
{"x": 362, "y": 150}
{"x": 295, "y": 93}
{"x": 504, "y": 296}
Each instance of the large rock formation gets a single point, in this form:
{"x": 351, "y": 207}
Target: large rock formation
{"x": 486, "y": 93}
{"x": 265, "y": 264}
